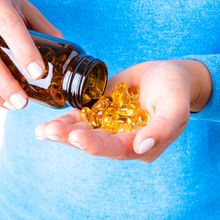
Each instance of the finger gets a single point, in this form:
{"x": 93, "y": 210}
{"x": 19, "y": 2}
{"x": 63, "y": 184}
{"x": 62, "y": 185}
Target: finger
{"x": 167, "y": 123}
{"x": 70, "y": 129}
{"x": 57, "y": 131}
{"x": 38, "y": 22}
{"x": 4, "y": 104}
{"x": 10, "y": 90}
{"x": 59, "y": 126}
{"x": 15, "y": 34}
{"x": 7, "y": 105}
{"x": 97, "y": 142}
{"x": 70, "y": 118}
{"x": 93, "y": 141}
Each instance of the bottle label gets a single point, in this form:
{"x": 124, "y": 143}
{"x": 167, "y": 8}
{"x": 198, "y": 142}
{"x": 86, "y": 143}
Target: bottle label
{"x": 44, "y": 83}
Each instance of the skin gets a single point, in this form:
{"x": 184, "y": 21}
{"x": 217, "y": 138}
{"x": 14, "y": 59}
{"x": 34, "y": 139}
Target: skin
{"x": 169, "y": 90}
{"x": 15, "y": 17}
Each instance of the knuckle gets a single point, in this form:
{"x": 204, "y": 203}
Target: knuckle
{"x": 57, "y": 33}
{"x": 8, "y": 20}
{"x": 53, "y": 128}
{"x": 149, "y": 159}
{"x": 123, "y": 156}
{"x": 94, "y": 152}
{"x": 168, "y": 133}
{"x": 163, "y": 126}
{"x": 7, "y": 87}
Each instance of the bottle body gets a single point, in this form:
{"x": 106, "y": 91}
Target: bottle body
{"x": 67, "y": 76}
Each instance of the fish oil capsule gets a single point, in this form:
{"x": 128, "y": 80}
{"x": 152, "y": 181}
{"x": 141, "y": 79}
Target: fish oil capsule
{"x": 128, "y": 110}
{"x": 120, "y": 111}
{"x": 93, "y": 92}
{"x": 142, "y": 118}
{"x": 136, "y": 103}
{"x": 103, "y": 103}
{"x": 134, "y": 92}
{"x": 125, "y": 128}
{"x": 100, "y": 107}
{"x": 111, "y": 111}
{"x": 119, "y": 95}
{"x": 109, "y": 124}
{"x": 88, "y": 115}
{"x": 86, "y": 98}
{"x": 68, "y": 68}
{"x": 100, "y": 114}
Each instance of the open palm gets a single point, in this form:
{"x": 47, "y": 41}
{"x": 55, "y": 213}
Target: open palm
{"x": 165, "y": 92}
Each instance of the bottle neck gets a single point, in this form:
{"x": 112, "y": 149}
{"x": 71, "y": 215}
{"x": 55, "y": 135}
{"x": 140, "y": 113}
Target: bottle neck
{"x": 85, "y": 77}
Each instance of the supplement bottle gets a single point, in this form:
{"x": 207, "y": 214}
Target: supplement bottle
{"x": 71, "y": 76}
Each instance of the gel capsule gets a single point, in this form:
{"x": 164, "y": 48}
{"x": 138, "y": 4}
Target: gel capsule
{"x": 134, "y": 92}
{"x": 125, "y": 128}
{"x": 128, "y": 110}
{"x": 88, "y": 115}
{"x": 143, "y": 118}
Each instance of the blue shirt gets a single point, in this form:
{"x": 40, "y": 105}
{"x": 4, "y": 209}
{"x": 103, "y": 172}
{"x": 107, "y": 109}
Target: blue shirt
{"x": 44, "y": 180}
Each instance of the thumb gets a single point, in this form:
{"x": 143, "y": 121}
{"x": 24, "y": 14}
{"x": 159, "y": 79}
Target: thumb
{"x": 167, "y": 123}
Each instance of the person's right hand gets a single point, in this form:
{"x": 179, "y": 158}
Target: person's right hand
{"x": 15, "y": 17}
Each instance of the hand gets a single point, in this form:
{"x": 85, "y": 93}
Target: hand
{"x": 169, "y": 90}
{"x": 15, "y": 17}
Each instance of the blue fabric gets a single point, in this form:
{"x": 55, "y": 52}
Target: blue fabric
{"x": 42, "y": 180}
{"x": 211, "y": 111}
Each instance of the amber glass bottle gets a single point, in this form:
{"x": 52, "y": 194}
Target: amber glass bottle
{"x": 71, "y": 76}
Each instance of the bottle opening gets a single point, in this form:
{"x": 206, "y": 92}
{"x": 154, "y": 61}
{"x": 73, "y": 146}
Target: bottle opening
{"x": 94, "y": 84}
{"x": 87, "y": 83}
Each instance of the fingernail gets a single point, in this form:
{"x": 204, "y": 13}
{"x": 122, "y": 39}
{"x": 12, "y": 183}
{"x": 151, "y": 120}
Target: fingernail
{"x": 76, "y": 144}
{"x": 40, "y": 137}
{"x": 39, "y": 134}
{"x": 8, "y": 105}
{"x": 145, "y": 145}
{"x": 17, "y": 100}
{"x": 34, "y": 70}
{"x": 55, "y": 138}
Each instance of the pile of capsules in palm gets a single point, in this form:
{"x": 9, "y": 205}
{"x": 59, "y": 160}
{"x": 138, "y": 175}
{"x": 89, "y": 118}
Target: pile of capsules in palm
{"x": 118, "y": 112}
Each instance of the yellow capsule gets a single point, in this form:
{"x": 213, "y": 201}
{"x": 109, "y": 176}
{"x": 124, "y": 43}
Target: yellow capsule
{"x": 88, "y": 115}
{"x": 128, "y": 110}
{"x": 120, "y": 99}
{"x": 98, "y": 77}
{"x": 111, "y": 111}
{"x": 109, "y": 124}
{"x": 136, "y": 103}
{"x": 134, "y": 92}
{"x": 125, "y": 128}
{"x": 127, "y": 120}
{"x": 143, "y": 118}
{"x": 119, "y": 95}
{"x": 119, "y": 112}
{"x": 132, "y": 120}
{"x": 86, "y": 98}
{"x": 100, "y": 114}
{"x": 102, "y": 104}
{"x": 91, "y": 81}
{"x": 94, "y": 93}
{"x": 121, "y": 88}
{"x": 107, "y": 120}
{"x": 121, "y": 120}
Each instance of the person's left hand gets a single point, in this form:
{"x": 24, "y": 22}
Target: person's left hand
{"x": 168, "y": 91}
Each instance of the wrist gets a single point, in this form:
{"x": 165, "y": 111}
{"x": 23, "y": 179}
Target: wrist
{"x": 200, "y": 83}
